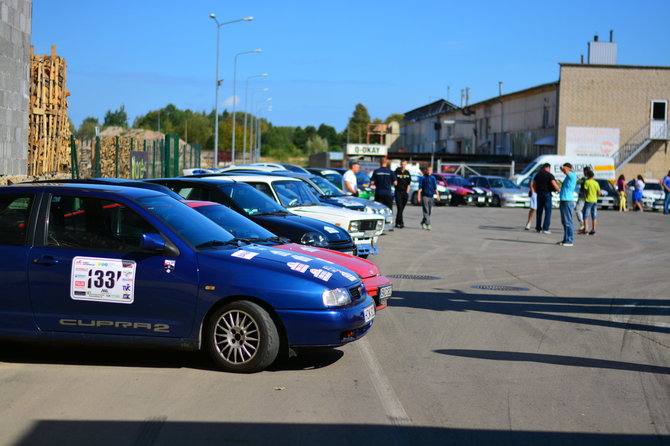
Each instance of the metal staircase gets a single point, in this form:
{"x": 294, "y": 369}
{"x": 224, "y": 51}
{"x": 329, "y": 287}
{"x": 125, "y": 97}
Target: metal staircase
{"x": 641, "y": 139}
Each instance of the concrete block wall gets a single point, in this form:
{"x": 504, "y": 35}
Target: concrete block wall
{"x": 15, "y": 29}
{"x": 615, "y": 96}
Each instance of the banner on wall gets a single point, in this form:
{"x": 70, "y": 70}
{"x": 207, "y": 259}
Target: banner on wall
{"x": 591, "y": 141}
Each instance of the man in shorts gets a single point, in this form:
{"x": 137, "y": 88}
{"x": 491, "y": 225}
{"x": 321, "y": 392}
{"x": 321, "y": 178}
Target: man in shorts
{"x": 591, "y": 194}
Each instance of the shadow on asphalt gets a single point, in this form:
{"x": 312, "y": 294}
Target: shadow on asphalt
{"x": 501, "y": 228}
{"x": 573, "y": 361}
{"x": 67, "y": 353}
{"x": 161, "y": 432}
{"x": 561, "y": 309}
{"x": 520, "y": 241}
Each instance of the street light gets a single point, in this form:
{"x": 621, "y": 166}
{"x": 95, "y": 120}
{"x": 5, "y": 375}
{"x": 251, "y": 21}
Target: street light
{"x": 260, "y": 128}
{"x": 253, "y": 93}
{"x": 235, "y": 98}
{"x": 218, "y": 83}
{"x": 256, "y": 108}
{"x": 246, "y": 108}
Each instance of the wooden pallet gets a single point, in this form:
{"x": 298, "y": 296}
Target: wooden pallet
{"x": 48, "y": 123}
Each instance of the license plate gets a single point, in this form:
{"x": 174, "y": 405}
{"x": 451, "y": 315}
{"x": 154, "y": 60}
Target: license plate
{"x": 369, "y": 313}
{"x": 351, "y": 253}
{"x": 370, "y": 233}
{"x": 480, "y": 199}
{"x": 385, "y": 292}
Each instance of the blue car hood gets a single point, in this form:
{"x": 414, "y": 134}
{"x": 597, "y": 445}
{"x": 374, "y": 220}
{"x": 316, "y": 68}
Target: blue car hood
{"x": 252, "y": 261}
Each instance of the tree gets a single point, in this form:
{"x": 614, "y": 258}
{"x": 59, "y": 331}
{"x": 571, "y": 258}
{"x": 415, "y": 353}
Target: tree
{"x": 316, "y": 144}
{"x": 300, "y": 139}
{"x": 398, "y": 117}
{"x": 357, "y": 128}
{"x": 87, "y": 128}
{"x": 116, "y": 118}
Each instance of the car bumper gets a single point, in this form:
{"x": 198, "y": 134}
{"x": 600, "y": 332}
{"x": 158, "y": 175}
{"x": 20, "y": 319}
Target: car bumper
{"x": 478, "y": 200}
{"x": 515, "y": 202}
{"x": 606, "y": 202}
{"x": 380, "y": 289}
{"x": 366, "y": 246}
{"x": 326, "y": 328}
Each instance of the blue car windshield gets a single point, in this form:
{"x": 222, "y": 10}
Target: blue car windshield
{"x": 529, "y": 168}
{"x": 192, "y": 226}
{"x": 295, "y": 193}
{"x": 502, "y": 182}
{"x": 251, "y": 200}
{"x": 236, "y": 224}
{"x": 457, "y": 180}
{"x": 326, "y": 187}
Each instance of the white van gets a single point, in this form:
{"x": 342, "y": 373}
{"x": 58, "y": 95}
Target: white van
{"x": 603, "y": 167}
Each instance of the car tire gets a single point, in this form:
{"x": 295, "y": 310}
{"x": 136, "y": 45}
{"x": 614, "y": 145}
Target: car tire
{"x": 496, "y": 201}
{"x": 415, "y": 199}
{"x": 363, "y": 256}
{"x": 241, "y": 337}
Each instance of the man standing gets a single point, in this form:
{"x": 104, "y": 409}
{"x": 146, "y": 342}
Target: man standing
{"x": 544, "y": 185}
{"x": 427, "y": 189}
{"x": 383, "y": 179}
{"x": 579, "y": 207}
{"x": 349, "y": 181}
{"x": 666, "y": 189}
{"x": 403, "y": 181}
{"x": 591, "y": 194}
{"x": 567, "y": 204}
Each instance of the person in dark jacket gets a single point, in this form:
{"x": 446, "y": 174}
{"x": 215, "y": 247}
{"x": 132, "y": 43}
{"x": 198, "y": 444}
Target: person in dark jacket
{"x": 403, "y": 181}
{"x": 544, "y": 184}
{"x": 383, "y": 179}
{"x": 427, "y": 189}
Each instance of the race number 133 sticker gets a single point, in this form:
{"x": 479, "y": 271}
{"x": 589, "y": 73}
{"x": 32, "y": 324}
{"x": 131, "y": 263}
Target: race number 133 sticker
{"x": 103, "y": 280}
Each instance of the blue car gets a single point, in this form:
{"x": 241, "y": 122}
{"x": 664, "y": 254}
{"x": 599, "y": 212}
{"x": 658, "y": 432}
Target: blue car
{"x": 118, "y": 264}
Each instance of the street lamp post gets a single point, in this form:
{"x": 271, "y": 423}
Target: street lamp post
{"x": 235, "y": 99}
{"x": 218, "y": 83}
{"x": 246, "y": 109}
{"x": 259, "y": 126}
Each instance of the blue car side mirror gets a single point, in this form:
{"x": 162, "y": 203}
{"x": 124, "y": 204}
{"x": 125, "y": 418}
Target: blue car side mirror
{"x": 152, "y": 242}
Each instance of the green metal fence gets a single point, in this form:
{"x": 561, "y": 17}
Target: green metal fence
{"x": 126, "y": 157}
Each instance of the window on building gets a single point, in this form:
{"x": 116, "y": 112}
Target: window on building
{"x": 659, "y": 110}
{"x": 545, "y": 118}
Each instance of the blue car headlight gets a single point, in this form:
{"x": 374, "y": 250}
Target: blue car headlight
{"x": 336, "y": 298}
{"x": 313, "y": 239}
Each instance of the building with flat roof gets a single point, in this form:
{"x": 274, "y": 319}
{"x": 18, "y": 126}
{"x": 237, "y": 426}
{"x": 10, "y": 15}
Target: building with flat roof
{"x": 604, "y": 109}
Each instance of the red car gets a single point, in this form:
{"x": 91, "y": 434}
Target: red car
{"x": 378, "y": 287}
{"x": 463, "y": 191}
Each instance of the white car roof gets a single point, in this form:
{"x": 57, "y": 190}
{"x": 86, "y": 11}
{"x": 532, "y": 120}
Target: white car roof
{"x": 253, "y": 167}
{"x": 262, "y": 178}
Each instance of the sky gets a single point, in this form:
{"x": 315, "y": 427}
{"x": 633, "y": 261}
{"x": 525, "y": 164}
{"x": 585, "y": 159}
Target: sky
{"x": 323, "y": 58}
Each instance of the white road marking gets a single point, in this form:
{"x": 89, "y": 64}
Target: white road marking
{"x": 392, "y": 405}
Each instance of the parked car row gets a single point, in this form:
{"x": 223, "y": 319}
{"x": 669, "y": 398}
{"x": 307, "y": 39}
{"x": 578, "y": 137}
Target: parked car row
{"x": 185, "y": 265}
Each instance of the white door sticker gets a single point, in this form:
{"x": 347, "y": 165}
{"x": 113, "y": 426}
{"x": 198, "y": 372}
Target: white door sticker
{"x": 103, "y": 280}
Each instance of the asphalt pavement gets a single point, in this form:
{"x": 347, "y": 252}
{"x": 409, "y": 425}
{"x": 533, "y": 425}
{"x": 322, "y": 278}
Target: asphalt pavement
{"x": 494, "y": 335}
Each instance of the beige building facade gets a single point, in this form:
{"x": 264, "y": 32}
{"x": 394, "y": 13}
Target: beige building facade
{"x": 510, "y": 124}
{"x": 631, "y": 99}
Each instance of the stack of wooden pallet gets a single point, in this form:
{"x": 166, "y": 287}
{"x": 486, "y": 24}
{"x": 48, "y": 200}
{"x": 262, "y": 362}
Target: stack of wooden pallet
{"x": 48, "y": 123}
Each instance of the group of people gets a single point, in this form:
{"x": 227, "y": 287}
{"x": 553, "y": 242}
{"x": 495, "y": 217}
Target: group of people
{"x": 541, "y": 189}
{"x": 544, "y": 184}
{"x": 384, "y": 180}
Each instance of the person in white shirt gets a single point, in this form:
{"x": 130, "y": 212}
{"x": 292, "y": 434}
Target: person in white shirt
{"x": 349, "y": 182}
